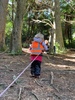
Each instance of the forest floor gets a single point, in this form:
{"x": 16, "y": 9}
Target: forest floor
{"x": 57, "y": 80}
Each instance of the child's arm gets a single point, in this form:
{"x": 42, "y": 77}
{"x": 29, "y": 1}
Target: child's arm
{"x": 45, "y": 46}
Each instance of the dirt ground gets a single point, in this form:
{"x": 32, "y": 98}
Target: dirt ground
{"x": 57, "y": 80}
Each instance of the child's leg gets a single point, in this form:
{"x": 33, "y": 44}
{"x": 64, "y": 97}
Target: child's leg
{"x": 37, "y": 68}
{"x": 33, "y": 68}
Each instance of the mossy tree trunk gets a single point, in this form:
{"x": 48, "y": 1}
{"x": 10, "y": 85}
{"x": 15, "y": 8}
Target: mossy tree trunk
{"x": 3, "y": 12}
{"x": 17, "y": 28}
{"x": 59, "y": 36}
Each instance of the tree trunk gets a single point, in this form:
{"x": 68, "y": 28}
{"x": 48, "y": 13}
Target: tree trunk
{"x": 17, "y": 28}
{"x": 3, "y": 11}
{"x": 68, "y": 30}
{"x": 59, "y": 36}
{"x": 51, "y": 51}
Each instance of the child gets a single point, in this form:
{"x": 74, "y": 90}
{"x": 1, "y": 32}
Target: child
{"x": 38, "y": 46}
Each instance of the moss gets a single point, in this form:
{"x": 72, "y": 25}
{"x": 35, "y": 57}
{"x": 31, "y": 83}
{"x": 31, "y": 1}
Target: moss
{"x": 4, "y": 48}
{"x": 16, "y": 52}
{"x": 59, "y": 49}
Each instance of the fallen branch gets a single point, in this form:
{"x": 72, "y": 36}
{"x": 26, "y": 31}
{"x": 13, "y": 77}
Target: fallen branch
{"x": 55, "y": 88}
{"x": 56, "y": 96}
{"x": 44, "y": 79}
{"x": 51, "y": 81}
{"x": 38, "y": 83}
{"x": 51, "y": 78}
{"x": 34, "y": 96}
{"x": 20, "y": 92}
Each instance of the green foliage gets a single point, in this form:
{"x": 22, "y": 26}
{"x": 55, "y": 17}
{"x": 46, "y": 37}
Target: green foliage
{"x": 4, "y": 49}
{"x": 72, "y": 43}
{"x": 9, "y": 27}
{"x": 59, "y": 50}
{"x": 8, "y": 31}
{"x": 25, "y": 45}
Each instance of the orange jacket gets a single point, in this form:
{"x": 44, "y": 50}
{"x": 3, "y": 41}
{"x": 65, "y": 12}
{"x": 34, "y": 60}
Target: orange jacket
{"x": 36, "y": 48}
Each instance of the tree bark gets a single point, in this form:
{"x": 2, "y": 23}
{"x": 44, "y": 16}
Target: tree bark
{"x": 17, "y": 28}
{"x": 3, "y": 12}
{"x": 59, "y": 36}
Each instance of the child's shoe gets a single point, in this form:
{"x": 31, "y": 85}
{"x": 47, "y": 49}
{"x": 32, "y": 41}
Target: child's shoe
{"x": 36, "y": 76}
{"x": 32, "y": 75}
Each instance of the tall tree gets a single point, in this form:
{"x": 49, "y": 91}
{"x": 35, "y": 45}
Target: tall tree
{"x": 3, "y": 12}
{"x": 59, "y": 37}
{"x": 17, "y": 27}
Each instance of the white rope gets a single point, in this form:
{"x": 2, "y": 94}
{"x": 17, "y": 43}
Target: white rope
{"x": 17, "y": 77}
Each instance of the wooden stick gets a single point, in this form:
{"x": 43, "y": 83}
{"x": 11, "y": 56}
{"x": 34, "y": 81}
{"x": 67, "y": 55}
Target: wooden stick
{"x": 38, "y": 83}
{"x": 35, "y": 96}
{"x": 52, "y": 78}
{"x": 20, "y": 92}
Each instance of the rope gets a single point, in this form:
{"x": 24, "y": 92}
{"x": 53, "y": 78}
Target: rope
{"x": 1, "y": 94}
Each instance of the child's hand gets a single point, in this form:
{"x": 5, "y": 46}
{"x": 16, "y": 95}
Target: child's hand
{"x": 46, "y": 42}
